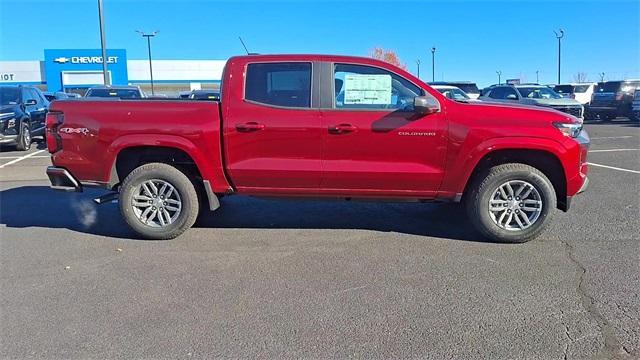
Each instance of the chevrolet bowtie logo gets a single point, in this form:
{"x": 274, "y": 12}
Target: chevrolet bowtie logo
{"x": 61, "y": 60}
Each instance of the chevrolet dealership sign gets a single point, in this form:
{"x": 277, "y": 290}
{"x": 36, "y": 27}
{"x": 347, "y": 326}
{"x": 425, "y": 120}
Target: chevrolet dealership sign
{"x": 72, "y": 68}
{"x": 85, "y": 60}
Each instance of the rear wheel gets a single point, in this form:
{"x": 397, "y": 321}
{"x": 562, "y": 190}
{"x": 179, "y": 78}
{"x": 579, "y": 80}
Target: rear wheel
{"x": 158, "y": 201}
{"x": 511, "y": 203}
{"x": 24, "y": 138}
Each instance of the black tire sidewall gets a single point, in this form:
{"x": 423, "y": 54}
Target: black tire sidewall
{"x": 179, "y": 181}
{"x": 22, "y": 145}
{"x": 481, "y": 205}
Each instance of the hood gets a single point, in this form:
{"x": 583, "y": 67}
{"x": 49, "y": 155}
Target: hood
{"x": 9, "y": 108}
{"x": 519, "y": 112}
{"x": 552, "y": 102}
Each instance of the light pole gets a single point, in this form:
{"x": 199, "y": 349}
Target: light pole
{"x": 559, "y": 36}
{"x": 103, "y": 44}
{"x": 418, "y": 63}
{"x": 433, "y": 63}
{"x": 537, "y": 78}
{"x": 149, "y": 36}
{"x": 499, "y": 76}
{"x": 602, "y": 77}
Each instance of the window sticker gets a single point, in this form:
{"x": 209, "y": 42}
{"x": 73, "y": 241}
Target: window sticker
{"x": 367, "y": 89}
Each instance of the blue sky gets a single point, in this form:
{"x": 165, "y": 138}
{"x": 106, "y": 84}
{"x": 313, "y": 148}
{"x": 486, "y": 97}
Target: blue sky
{"x": 473, "y": 38}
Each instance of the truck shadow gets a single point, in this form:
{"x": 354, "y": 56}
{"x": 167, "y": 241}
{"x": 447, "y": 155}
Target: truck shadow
{"x": 39, "y": 206}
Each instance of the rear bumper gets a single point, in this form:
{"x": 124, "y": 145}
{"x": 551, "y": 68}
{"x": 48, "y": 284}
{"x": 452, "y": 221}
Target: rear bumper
{"x": 61, "y": 179}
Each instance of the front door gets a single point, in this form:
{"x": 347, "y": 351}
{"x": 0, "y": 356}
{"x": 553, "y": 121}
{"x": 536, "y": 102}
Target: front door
{"x": 374, "y": 142}
{"x": 272, "y": 132}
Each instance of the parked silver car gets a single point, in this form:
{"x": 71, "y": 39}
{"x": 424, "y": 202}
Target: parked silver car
{"x": 533, "y": 94}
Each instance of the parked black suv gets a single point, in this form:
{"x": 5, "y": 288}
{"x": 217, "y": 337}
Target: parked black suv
{"x": 612, "y": 98}
{"x": 23, "y": 110}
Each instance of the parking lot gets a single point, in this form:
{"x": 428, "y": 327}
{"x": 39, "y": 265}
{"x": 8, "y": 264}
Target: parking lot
{"x": 278, "y": 278}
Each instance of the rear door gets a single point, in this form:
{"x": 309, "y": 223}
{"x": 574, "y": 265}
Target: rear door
{"x": 272, "y": 130}
{"x": 374, "y": 143}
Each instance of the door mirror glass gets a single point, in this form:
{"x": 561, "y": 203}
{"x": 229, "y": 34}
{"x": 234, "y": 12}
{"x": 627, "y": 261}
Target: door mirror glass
{"x": 30, "y": 102}
{"x": 426, "y": 105}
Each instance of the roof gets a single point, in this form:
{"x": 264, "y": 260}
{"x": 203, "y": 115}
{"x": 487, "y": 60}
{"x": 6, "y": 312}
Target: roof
{"x": 444, "y": 87}
{"x": 130, "y": 87}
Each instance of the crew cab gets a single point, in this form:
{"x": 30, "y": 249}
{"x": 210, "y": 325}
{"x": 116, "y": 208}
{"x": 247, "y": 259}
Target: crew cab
{"x": 320, "y": 126}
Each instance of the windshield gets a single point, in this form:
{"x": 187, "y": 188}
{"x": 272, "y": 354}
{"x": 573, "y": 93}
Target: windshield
{"x": 9, "y": 96}
{"x": 581, "y": 88}
{"x": 538, "y": 93}
{"x": 563, "y": 89}
{"x": 454, "y": 94}
{"x": 205, "y": 95}
{"x": 468, "y": 88}
{"x": 114, "y": 93}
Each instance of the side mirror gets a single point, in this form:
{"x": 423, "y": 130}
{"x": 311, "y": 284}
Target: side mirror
{"x": 512, "y": 97}
{"x": 30, "y": 102}
{"x": 426, "y": 105}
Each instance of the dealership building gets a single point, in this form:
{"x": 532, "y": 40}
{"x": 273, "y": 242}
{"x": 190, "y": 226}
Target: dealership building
{"x": 75, "y": 70}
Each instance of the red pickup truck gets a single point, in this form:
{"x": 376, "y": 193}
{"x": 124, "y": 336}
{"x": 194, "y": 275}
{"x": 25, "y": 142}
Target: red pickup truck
{"x": 320, "y": 126}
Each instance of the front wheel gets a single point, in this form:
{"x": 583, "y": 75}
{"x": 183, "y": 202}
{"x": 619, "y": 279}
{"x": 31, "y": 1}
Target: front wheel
{"x": 24, "y": 138}
{"x": 158, "y": 201}
{"x": 511, "y": 203}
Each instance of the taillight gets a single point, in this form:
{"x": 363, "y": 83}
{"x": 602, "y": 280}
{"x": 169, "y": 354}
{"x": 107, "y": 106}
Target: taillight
{"x": 53, "y": 122}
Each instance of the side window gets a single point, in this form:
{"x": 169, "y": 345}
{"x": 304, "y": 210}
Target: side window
{"x": 27, "y": 94}
{"x": 497, "y": 93}
{"x": 36, "y": 95}
{"x": 367, "y": 87}
{"x": 510, "y": 94}
{"x": 279, "y": 84}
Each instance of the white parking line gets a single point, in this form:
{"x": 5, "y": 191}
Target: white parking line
{"x": 614, "y": 168}
{"x": 21, "y": 158}
{"x": 612, "y": 150}
{"x": 16, "y": 157}
{"x": 611, "y": 137}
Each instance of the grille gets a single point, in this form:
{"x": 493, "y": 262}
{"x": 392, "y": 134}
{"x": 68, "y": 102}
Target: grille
{"x": 572, "y": 110}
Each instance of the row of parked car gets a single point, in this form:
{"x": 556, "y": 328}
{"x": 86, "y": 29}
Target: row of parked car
{"x": 23, "y": 108}
{"x": 603, "y": 100}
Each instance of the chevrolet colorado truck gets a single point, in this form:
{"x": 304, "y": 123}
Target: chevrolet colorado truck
{"x": 320, "y": 126}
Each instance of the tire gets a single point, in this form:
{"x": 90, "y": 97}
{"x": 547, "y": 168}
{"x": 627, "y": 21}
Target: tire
{"x": 182, "y": 196}
{"x": 24, "y": 139}
{"x": 486, "y": 188}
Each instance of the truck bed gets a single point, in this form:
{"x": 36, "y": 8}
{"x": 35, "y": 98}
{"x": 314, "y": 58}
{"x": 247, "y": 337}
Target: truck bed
{"x": 91, "y": 134}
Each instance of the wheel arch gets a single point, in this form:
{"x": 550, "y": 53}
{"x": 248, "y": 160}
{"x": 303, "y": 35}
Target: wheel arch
{"x": 544, "y": 160}
{"x": 129, "y": 157}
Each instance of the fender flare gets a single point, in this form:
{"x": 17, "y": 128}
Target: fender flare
{"x": 459, "y": 179}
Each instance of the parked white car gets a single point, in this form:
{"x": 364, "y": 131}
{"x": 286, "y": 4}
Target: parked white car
{"x": 452, "y": 92}
{"x": 581, "y": 92}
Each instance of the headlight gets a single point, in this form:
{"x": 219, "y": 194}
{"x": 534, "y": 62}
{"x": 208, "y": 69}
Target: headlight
{"x": 569, "y": 129}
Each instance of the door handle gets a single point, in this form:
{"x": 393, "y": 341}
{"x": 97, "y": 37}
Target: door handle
{"x": 250, "y": 126}
{"x": 342, "y": 129}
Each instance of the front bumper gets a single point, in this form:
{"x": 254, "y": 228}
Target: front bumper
{"x": 8, "y": 139}
{"x": 584, "y": 187}
{"x": 61, "y": 179}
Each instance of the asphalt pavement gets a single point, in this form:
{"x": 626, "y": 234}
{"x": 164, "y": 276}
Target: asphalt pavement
{"x": 321, "y": 279}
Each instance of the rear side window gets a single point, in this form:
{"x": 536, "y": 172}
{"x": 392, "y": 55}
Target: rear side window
{"x": 565, "y": 89}
{"x": 279, "y": 84}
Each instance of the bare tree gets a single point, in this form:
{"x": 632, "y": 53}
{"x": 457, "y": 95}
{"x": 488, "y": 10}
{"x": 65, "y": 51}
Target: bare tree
{"x": 580, "y": 77}
{"x": 389, "y": 56}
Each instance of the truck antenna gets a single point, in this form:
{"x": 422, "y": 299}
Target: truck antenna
{"x": 244, "y": 46}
